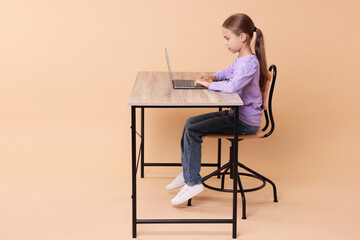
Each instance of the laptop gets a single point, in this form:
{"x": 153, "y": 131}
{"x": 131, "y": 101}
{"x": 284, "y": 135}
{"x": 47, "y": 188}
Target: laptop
{"x": 181, "y": 83}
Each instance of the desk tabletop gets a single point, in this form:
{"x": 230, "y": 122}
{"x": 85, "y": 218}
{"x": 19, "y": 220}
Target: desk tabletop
{"x": 155, "y": 89}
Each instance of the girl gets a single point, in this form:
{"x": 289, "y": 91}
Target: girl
{"x": 247, "y": 76}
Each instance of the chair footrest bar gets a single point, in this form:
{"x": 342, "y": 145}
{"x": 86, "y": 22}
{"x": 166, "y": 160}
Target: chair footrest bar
{"x": 177, "y": 164}
{"x": 222, "y": 189}
{"x": 165, "y": 221}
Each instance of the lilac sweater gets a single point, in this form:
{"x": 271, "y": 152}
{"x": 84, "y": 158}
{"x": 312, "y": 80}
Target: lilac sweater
{"x": 243, "y": 75}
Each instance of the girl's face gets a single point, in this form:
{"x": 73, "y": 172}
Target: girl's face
{"x": 232, "y": 42}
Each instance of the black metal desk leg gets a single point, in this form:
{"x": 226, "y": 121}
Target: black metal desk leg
{"x": 219, "y": 157}
{"x": 133, "y": 165}
{"x": 142, "y": 142}
{"x": 219, "y": 152}
{"x": 235, "y": 169}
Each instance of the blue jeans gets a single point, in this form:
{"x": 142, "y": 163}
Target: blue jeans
{"x": 194, "y": 129}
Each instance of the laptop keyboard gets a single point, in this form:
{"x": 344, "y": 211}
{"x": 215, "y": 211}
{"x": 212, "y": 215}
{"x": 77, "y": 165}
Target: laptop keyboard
{"x": 184, "y": 83}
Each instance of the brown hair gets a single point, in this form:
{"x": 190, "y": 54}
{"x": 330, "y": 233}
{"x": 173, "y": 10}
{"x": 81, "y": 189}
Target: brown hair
{"x": 242, "y": 23}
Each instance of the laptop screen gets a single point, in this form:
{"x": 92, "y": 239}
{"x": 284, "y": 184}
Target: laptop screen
{"x": 168, "y": 63}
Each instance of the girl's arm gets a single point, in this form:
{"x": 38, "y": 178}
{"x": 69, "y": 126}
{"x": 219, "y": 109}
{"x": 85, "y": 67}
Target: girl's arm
{"x": 218, "y": 76}
{"x": 224, "y": 74}
{"x": 242, "y": 77}
{"x": 221, "y": 75}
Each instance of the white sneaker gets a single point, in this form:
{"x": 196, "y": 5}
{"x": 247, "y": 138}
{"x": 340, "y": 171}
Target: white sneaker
{"x": 186, "y": 193}
{"x": 178, "y": 182}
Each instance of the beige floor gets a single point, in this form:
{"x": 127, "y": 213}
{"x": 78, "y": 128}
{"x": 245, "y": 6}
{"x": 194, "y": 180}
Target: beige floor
{"x": 70, "y": 180}
{"x": 55, "y": 206}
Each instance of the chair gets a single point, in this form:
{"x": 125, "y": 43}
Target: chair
{"x": 265, "y": 132}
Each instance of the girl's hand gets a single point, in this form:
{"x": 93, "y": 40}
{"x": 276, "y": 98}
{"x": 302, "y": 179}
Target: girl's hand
{"x": 202, "y": 77}
{"x": 203, "y": 80}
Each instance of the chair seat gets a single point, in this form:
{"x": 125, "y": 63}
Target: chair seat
{"x": 258, "y": 134}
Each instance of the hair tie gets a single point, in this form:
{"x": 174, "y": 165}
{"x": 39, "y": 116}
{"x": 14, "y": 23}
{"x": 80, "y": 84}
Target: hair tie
{"x": 255, "y": 29}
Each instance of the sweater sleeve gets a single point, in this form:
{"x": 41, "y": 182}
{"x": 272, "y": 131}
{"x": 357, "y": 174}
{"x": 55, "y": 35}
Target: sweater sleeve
{"x": 241, "y": 78}
{"x": 224, "y": 74}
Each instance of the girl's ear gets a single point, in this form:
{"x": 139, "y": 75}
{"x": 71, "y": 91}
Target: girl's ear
{"x": 243, "y": 37}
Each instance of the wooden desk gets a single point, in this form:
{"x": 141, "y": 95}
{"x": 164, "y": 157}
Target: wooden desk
{"x": 154, "y": 90}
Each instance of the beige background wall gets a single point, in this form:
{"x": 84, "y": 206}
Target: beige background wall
{"x": 66, "y": 71}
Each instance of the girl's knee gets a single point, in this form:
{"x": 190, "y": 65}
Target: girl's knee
{"x": 189, "y": 122}
{"x": 194, "y": 134}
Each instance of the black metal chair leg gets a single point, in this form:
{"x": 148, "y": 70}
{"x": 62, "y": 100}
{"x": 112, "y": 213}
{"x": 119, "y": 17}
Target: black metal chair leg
{"x": 261, "y": 176}
{"x": 274, "y": 188}
{"x": 243, "y": 199}
{"x": 275, "y": 193}
{"x": 223, "y": 177}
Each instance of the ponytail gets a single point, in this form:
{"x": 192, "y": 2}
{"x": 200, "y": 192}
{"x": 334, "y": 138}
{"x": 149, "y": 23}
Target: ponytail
{"x": 260, "y": 54}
